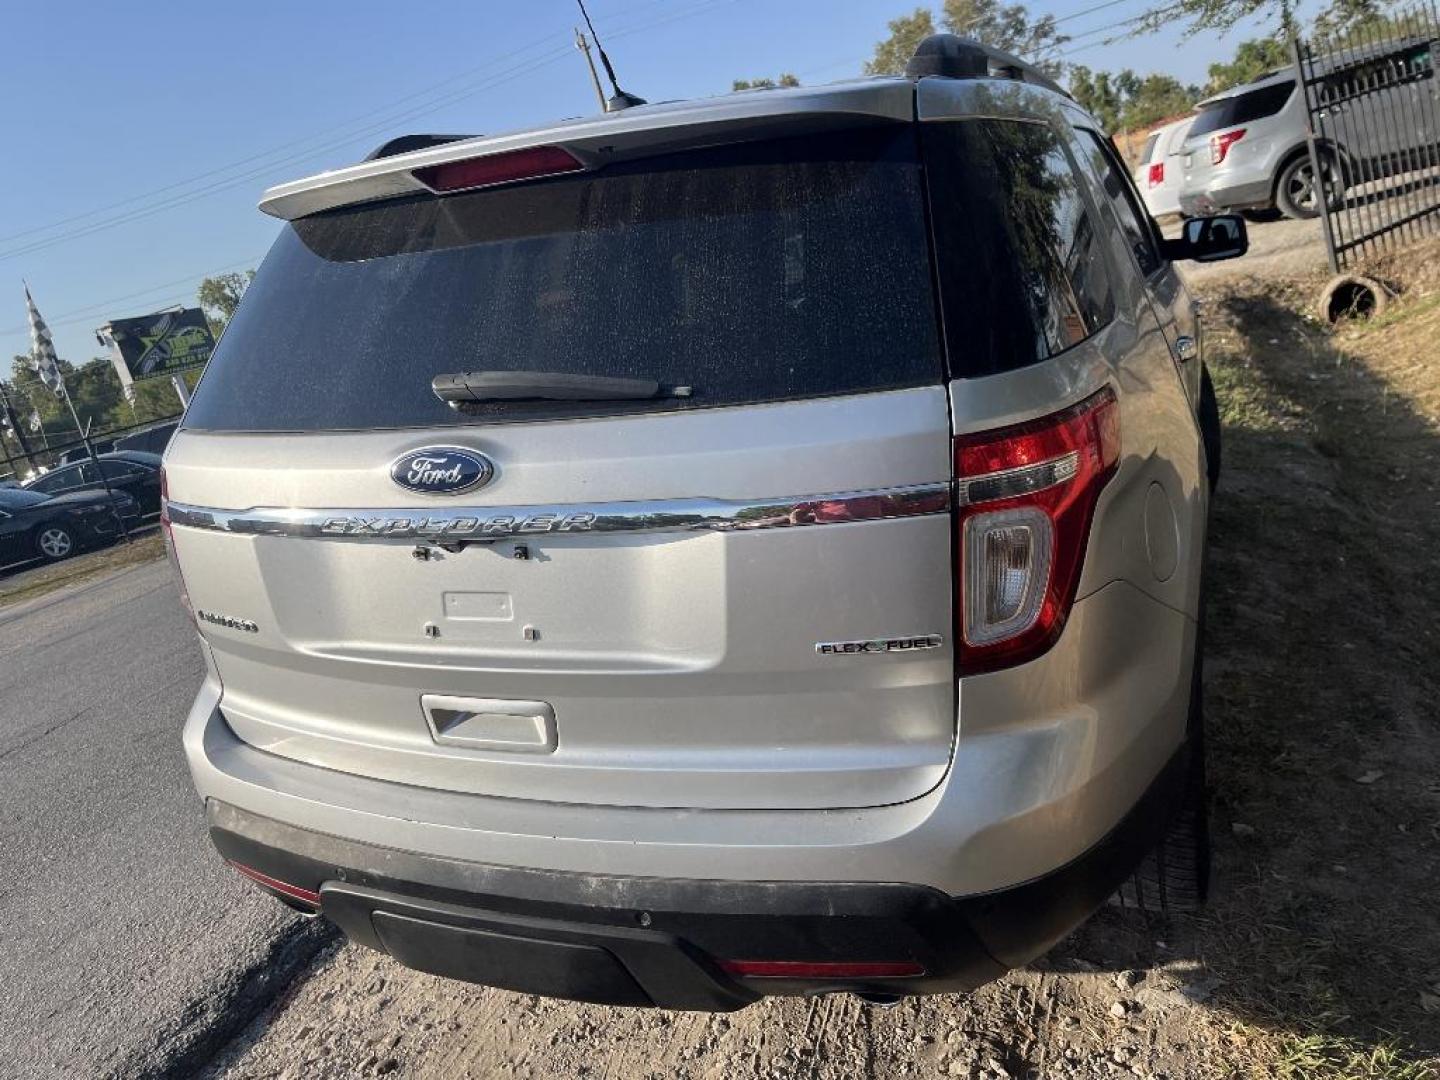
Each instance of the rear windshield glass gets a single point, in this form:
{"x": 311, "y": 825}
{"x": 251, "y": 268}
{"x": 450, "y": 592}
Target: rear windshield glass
{"x": 1242, "y": 108}
{"x": 762, "y": 272}
{"x": 1149, "y": 149}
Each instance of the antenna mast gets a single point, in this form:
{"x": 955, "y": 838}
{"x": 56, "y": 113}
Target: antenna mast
{"x": 620, "y": 99}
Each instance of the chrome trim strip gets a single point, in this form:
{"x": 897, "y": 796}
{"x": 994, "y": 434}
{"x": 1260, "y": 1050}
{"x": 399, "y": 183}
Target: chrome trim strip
{"x": 489, "y": 523}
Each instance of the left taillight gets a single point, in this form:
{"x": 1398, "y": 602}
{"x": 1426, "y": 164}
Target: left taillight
{"x": 1026, "y": 497}
{"x": 1156, "y": 174}
{"x": 169, "y": 533}
{"x": 1220, "y": 144}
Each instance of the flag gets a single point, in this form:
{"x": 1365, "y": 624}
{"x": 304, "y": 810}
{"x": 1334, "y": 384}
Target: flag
{"x": 42, "y": 349}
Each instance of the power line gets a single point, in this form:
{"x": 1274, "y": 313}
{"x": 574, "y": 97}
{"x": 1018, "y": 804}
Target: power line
{"x": 371, "y": 128}
{"x": 218, "y": 170}
{"x": 90, "y": 311}
{"x": 1132, "y": 21}
{"x": 1090, "y": 10}
{"x": 272, "y": 167}
{"x": 367, "y": 119}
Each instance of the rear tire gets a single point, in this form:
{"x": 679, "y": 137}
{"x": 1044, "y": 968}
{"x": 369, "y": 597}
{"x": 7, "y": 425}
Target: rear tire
{"x": 1174, "y": 877}
{"x": 1210, "y": 428}
{"x": 1298, "y": 189}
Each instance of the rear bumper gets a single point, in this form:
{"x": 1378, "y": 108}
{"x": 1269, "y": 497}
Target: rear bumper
{"x": 1227, "y": 193}
{"x": 649, "y": 941}
{"x": 1051, "y": 756}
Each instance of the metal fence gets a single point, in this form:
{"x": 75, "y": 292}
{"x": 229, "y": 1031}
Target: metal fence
{"x": 1373, "y": 105}
{"x": 47, "y": 451}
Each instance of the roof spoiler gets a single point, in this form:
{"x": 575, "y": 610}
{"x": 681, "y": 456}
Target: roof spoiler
{"x": 612, "y": 137}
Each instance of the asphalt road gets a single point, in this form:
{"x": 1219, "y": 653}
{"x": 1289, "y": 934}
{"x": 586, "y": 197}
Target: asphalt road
{"x": 127, "y": 947}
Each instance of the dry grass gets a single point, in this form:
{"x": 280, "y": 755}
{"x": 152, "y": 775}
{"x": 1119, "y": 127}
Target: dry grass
{"x": 29, "y": 584}
{"x": 1323, "y": 687}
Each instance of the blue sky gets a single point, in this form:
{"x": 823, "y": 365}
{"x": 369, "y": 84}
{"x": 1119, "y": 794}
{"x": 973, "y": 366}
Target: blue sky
{"x": 175, "y": 117}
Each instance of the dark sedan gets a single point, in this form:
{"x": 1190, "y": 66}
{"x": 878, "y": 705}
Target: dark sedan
{"x": 38, "y": 526}
{"x": 134, "y": 472}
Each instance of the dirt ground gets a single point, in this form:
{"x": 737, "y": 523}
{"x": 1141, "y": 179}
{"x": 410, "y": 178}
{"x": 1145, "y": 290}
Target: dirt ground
{"x": 1319, "y": 955}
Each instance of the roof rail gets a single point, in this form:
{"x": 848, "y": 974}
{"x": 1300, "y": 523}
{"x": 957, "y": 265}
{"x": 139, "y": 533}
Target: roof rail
{"x": 958, "y": 57}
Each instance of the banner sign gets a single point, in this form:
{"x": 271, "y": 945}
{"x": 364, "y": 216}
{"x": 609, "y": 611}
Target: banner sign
{"x": 166, "y": 343}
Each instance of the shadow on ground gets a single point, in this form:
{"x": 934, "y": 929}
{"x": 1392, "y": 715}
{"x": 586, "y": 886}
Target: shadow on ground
{"x": 1323, "y": 702}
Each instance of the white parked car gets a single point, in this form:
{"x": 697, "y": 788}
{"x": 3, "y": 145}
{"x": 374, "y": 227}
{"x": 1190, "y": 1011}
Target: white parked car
{"x": 1158, "y": 175}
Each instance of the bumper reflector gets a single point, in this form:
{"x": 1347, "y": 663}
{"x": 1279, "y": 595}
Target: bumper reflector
{"x": 813, "y": 969}
{"x": 295, "y": 892}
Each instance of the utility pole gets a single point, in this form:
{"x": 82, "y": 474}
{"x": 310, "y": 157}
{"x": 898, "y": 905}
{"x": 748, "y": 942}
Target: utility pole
{"x": 16, "y": 428}
{"x": 583, "y": 44}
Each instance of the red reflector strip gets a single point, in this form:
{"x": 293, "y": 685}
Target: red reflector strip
{"x": 506, "y": 168}
{"x": 813, "y": 969}
{"x": 295, "y": 892}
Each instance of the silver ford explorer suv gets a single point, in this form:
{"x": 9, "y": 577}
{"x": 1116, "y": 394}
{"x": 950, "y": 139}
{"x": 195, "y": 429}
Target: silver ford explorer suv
{"x": 714, "y": 549}
{"x": 1246, "y": 148}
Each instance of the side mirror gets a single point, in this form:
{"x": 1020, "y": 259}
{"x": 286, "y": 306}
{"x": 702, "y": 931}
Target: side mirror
{"x": 1210, "y": 239}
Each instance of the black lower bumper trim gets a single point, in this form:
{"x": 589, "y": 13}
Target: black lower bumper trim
{"x": 655, "y": 941}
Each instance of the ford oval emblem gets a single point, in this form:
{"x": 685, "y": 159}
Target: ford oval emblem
{"x": 441, "y": 470}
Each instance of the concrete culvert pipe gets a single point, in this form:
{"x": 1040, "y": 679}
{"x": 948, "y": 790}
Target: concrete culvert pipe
{"x": 1351, "y": 296}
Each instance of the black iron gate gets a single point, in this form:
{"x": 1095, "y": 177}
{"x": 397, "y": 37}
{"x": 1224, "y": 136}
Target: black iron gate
{"x": 1373, "y": 105}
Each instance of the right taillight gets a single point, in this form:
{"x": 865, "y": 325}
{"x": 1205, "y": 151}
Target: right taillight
{"x": 1156, "y": 174}
{"x": 168, "y": 530}
{"x": 1026, "y": 495}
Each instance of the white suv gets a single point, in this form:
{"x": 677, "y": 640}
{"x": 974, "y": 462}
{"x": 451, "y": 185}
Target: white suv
{"x": 714, "y": 549}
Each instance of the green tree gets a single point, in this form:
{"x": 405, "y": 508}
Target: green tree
{"x": 220, "y": 296}
{"x": 1127, "y": 100}
{"x": 1345, "y": 22}
{"x": 1005, "y": 26}
{"x": 765, "y": 83}
{"x": 906, "y": 32}
{"x": 1220, "y": 15}
{"x": 1154, "y": 98}
{"x": 1097, "y": 95}
{"x": 1252, "y": 59}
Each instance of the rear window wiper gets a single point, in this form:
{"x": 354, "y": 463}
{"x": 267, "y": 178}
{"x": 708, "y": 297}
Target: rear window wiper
{"x": 484, "y": 386}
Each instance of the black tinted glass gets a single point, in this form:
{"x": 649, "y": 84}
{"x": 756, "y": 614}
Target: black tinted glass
{"x": 1120, "y": 190}
{"x": 1242, "y": 108}
{"x": 56, "y": 480}
{"x": 761, "y": 272}
{"x": 1022, "y": 272}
